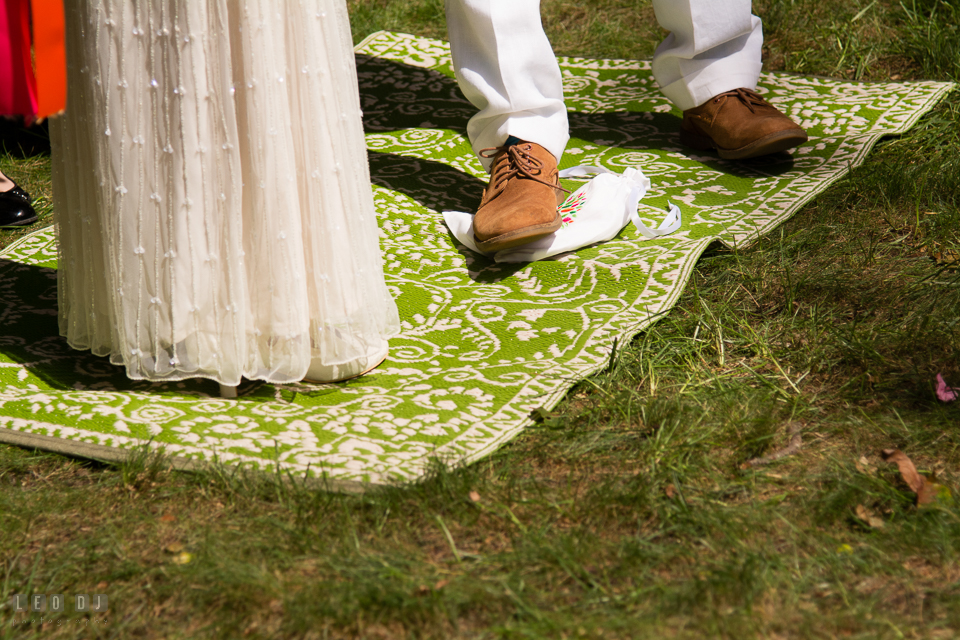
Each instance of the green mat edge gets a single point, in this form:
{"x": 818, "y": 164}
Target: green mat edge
{"x": 551, "y": 400}
{"x": 870, "y": 141}
{"x": 19, "y": 241}
{"x": 116, "y": 455}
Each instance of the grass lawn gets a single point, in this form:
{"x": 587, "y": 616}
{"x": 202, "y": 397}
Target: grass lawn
{"x": 631, "y": 511}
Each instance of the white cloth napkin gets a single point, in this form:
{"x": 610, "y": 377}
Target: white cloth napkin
{"x": 595, "y": 212}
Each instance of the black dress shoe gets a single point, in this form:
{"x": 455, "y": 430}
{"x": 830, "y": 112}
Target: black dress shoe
{"x": 15, "y": 209}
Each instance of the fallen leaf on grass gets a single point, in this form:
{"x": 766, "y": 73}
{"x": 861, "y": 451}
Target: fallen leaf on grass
{"x": 182, "y": 558}
{"x": 927, "y": 491}
{"x": 168, "y": 517}
{"x": 844, "y": 548}
{"x": 907, "y": 469}
{"x": 945, "y": 393}
{"x": 869, "y": 517}
{"x": 440, "y": 585}
{"x": 474, "y": 496}
{"x": 796, "y": 441}
{"x": 174, "y": 547}
{"x": 670, "y": 490}
{"x": 946, "y": 258}
{"x": 934, "y": 492}
{"x": 863, "y": 466}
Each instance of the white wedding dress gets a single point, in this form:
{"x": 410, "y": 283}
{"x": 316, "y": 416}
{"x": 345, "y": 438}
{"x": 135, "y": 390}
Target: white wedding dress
{"x": 212, "y": 194}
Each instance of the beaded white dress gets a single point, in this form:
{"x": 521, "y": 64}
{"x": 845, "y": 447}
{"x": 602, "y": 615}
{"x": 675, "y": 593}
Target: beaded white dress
{"x": 212, "y": 192}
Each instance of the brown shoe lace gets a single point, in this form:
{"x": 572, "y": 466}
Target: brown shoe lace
{"x": 746, "y": 96}
{"x": 519, "y": 162}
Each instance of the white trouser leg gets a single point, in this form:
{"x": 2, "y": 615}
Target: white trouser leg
{"x": 506, "y": 68}
{"x": 713, "y": 46}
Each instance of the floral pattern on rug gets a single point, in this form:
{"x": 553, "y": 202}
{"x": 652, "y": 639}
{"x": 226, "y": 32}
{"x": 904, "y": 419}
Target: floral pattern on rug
{"x": 482, "y": 344}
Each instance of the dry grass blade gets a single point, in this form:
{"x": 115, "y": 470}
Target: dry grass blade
{"x": 796, "y": 441}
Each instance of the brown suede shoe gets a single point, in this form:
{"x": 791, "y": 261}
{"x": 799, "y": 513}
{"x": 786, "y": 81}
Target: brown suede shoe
{"x": 739, "y": 124}
{"x": 520, "y": 203}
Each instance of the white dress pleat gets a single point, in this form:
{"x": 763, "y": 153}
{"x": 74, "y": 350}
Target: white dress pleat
{"x": 212, "y": 193}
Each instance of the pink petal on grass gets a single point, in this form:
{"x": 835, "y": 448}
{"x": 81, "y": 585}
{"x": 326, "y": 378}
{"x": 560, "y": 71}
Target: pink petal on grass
{"x": 945, "y": 393}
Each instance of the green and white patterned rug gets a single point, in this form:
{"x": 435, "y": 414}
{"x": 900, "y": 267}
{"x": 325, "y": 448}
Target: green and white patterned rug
{"x": 482, "y": 344}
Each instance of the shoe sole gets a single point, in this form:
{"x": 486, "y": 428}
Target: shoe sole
{"x": 772, "y": 143}
{"x": 17, "y": 225}
{"x": 22, "y": 223}
{"x": 519, "y": 236}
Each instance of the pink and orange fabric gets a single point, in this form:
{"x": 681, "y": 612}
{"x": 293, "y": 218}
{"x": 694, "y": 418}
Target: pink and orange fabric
{"x": 34, "y": 87}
